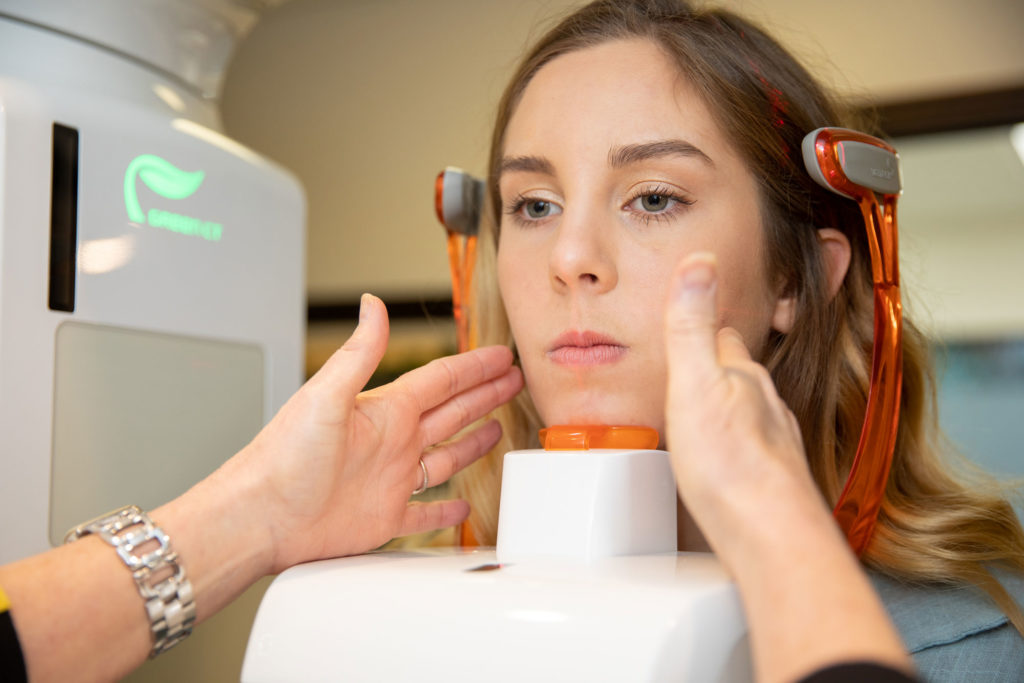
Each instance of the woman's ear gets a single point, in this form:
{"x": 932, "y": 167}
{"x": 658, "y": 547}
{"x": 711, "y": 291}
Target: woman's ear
{"x": 785, "y": 313}
{"x": 835, "y": 250}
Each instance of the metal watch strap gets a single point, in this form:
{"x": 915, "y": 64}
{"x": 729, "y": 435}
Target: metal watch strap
{"x": 160, "y": 579}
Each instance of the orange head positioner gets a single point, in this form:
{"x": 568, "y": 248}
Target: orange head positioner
{"x": 458, "y": 198}
{"x": 866, "y": 170}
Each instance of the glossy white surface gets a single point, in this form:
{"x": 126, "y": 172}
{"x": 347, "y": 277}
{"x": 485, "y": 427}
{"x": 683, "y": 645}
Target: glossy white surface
{"x": 558, "y": 602}
{"x": 586, "y": 504}
{"x": 246, "y": 288}
{"x": 428, "y": 616}
{"x": 189, "y": 40}
{"x": 41, "y": 57}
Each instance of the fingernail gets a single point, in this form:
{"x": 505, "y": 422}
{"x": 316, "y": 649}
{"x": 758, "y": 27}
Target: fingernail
{"x": 364, "y": 306}
{"x": 697, "y": 277}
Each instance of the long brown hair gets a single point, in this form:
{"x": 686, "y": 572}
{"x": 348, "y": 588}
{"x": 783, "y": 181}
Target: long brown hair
{"x": 933, "y": 527}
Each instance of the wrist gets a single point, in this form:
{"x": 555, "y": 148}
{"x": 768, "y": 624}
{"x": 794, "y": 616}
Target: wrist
{"x": 802, "y": 571}
{"x": 161, "y": 580}
{"x": 752, "y": 527}
{"x": 218, "y": 540}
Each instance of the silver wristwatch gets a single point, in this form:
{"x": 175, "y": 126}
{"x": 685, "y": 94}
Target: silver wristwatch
{"x": 161, "y": 580}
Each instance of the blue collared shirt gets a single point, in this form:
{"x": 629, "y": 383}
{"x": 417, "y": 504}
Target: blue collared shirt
{"x": 956, "y": 633}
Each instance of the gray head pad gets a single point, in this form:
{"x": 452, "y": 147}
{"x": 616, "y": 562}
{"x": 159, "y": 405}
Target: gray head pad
{"x": 461, "y": 201}
{"x": 864, "y": 164}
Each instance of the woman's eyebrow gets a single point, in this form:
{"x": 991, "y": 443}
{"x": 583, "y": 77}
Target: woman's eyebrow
{"x": 630, "y": 154}
{"x": 526, "y": 164}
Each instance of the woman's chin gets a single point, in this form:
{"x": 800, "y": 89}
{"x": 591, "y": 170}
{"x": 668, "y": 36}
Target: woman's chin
{"x": 585, "y": 413}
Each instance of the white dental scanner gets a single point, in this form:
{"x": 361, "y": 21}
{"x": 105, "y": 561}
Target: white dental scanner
{"x": 585, "y": 584}
{"x": 152, "y": 298}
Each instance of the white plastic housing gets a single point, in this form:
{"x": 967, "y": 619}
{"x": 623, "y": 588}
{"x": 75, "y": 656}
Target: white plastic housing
{"x": 586, "y": 504}
{"x": 449, "y": 615}
{"x": 179, "y": 346}
{"x": 559, "y": 603}
{"x": 189, "y": 41}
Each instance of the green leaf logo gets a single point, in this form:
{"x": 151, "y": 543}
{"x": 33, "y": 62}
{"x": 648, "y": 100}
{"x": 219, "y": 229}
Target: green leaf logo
{"x": 161, "y": 177}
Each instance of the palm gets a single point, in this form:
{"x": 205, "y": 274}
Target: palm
{"x": 345, "y": 463}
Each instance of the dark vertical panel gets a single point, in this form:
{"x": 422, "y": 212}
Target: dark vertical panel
{"x": 63, "y": 218}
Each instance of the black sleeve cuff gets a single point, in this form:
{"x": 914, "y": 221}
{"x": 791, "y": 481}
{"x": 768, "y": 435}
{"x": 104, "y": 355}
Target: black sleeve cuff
{"x": 857, "y": 672}
{"x": 12, "y": 662}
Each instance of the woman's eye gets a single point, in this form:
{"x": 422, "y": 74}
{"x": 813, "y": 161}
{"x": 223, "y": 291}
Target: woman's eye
{"x": 657, "y": 203}
{"x": 526, "y": 209}
{"x": 538, "y": 208}
{"x": 654, "y": 202}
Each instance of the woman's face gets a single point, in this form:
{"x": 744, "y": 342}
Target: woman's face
{"x": 613, "y": 170}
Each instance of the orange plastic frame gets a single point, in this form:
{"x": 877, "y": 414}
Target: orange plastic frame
{"x": 857, "y": 508}
{"x": 461, "y": 257}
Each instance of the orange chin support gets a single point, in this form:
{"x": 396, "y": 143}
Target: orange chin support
{"x": 585, "y": 437}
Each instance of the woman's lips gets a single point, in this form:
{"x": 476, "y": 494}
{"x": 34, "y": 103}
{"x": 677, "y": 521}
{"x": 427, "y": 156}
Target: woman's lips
{"x": 585, "y": 348}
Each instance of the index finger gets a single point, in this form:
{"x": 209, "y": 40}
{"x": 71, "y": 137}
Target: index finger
{"x": 691, "y": 325}
{"x": 443, "y": 378}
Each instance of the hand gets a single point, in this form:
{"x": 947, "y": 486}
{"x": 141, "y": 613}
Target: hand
{"x": 330, "y": 475}
{"x": 741, "y": 471}
{"x": 736, "y": 447}
{"x": 339, "y": 466}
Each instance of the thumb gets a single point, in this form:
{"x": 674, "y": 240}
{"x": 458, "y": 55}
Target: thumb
{"x": 691, "y": 323}
{"x": 350, "y": 367}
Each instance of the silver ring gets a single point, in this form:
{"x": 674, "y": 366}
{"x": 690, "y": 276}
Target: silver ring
{"x": 423, "y": 487}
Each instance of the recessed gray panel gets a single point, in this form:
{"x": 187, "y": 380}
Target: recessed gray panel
{"x": 139, "y": 417}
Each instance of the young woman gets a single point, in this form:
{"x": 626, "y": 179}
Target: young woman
{"x": 636, "y": 132}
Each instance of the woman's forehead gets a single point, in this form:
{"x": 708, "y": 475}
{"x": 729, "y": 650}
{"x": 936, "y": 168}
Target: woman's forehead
{"x": 608, "y": 96}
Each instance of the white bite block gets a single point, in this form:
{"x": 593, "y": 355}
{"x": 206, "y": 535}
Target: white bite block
{"x": 586, "y": 504}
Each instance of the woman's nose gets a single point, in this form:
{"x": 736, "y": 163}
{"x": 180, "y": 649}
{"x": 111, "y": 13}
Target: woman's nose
{"x": 582, "y": 257}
